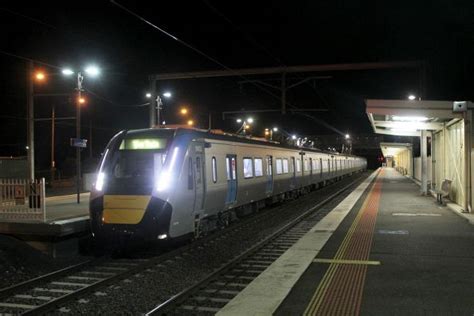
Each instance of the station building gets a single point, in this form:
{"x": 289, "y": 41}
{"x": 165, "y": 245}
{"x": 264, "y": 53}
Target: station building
{"x": 445, "y": 132}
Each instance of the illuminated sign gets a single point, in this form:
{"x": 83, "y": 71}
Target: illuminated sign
{"x": 143, "y": 144}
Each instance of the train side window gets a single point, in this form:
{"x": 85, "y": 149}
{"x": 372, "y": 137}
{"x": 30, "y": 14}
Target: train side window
{"x": 214, "y": 169}
{"x": 248, "y": 168}
{"x": 315, "y": 164}
{"x": 298, "y": 165}
{"x": 285, "y": 165}
{"x": 279, "y": 166}
{"x": 190, "y": 174}
{"x": 258, "y": 164}
{"x": 307, "y": 166}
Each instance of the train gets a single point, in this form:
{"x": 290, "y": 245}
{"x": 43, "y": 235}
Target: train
{"x": 168, "y": 183}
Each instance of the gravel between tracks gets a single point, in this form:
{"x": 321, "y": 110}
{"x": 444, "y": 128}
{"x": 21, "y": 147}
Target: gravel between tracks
{"x": 143, "y": 291}
{"x": 20, "y": 262}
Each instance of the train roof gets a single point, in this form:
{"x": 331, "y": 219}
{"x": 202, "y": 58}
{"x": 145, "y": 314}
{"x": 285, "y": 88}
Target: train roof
{"x": 198, "y": 133}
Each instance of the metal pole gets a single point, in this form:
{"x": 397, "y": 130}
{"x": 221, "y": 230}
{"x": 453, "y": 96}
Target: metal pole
{"x": 158, "y": 108}
{"x": 151, "y": 111}
{"x": 90, "y": 139}
{"x": 78, "y": 136}
{"x": 31, "y": 121}
{"x": 283, "y": 93}
{"x": 53, "y": 163}
{"x": 210, "y": 120}
{"x": 424, "y": 162}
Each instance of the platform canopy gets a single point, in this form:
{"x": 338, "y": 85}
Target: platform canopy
{"x": 408, "y": 118}
{"x": 393, "y": 149}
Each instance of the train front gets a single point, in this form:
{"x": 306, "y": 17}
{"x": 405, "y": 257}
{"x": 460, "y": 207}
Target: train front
{"x": 123, "y": 203}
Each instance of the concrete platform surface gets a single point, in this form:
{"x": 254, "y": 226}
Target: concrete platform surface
{"x": 395, "y": 253}
{"x": 64, "y": 216}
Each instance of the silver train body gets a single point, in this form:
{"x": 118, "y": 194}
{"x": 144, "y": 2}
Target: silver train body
{"x": 168, "y": 183}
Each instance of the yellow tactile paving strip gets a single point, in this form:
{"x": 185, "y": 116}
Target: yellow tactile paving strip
{"x": 340, "y": 290}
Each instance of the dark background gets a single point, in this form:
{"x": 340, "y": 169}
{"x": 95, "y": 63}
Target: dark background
{"x": 239, "y": 34}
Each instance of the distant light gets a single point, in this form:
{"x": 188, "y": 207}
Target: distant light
{"x": 27, "y": 147}
{"x": 293, "y": 136}
{"x": 190, "y": 122}
{"x": 148, "y": 95}
{"x": 348, "y": 136}
{"x": 67, "y": 71}
{"x": 250, "y": 120}
{"x": 275, "y": 129}
{"x": 246, "y": 126}
{"x": 40, "y": 76}
{"x": 183, "y": 111}
{"x": 81, "y": 100}
{"x": 167, "y": 94}
{"x": 410, "y": 118}
{"x": 411, "y": 97}
{"x": 239, "y": 120}
{"x": 92, "y": 71}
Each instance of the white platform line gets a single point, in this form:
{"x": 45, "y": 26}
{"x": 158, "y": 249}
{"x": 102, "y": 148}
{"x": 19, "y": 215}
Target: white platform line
{"x": 263, "y": 295}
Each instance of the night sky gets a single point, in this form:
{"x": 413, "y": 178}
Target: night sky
{"x": 239, "y": 35}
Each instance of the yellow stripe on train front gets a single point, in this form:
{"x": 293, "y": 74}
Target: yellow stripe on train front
{"x": 124, "y": 209}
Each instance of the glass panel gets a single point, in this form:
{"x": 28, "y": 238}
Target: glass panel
{"x": 190, "y": 174}
{"x": 285, "y": 165}
{"x": 234, "y": 169}
{"x": 227, "y": 166}
{"x": 298, "y": 165}
{"x": 214, "y": 169}
{"x": 248, "y": 168}
{"x": 279, "y": 166}
{"x": 269, "y": 166}
{"x": 258, "y": 167}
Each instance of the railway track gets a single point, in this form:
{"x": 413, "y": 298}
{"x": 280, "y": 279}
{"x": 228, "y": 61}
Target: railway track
{"x": 57, "y": 289}
{"x": 218, "y": 288}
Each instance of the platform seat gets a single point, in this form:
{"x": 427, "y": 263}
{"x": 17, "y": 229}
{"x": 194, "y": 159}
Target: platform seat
{"x": 444, "y": 192}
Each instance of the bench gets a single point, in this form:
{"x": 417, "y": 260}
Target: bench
{"x": 444, "y": 192}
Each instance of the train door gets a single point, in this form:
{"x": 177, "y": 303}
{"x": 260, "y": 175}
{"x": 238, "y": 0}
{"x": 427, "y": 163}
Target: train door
{"x": 231, "y": 168}
{"x": 199, "y": 178}
{"x": 269, "y": 186}
{"x": 293, "y": 175}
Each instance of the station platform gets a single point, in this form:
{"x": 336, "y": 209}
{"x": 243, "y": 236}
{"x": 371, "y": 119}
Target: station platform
{"x": 384, "y": 250}
{"x": 64, "y": 216}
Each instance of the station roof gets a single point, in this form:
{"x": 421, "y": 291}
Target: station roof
{"x": 409, "y": 117}
{"x": 392, "y": 149}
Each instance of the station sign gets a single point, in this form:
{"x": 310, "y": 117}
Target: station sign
{"x": 78, "y": 142}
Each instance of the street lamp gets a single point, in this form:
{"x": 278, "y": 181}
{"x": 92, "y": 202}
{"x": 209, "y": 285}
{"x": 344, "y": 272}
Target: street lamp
{"x": 148, "y": 95}
{"x": 40, "y": 76}
{"x": 91, "y": 71}
{"x": 347, "y": 136}
{"x": 183, "y": 111}
{"x": 190, "y": 122}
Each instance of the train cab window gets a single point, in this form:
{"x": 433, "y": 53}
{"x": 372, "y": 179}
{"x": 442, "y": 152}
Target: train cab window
{"x": 258, "y": 164}
{"x": 298, "y": 165}
{"x": 190, "y": 174}
{"x": 279, "y": 166}
{"x": 248, "y": 168}
{"x": 285, "y": 165}
{"x": 214, "y": 169}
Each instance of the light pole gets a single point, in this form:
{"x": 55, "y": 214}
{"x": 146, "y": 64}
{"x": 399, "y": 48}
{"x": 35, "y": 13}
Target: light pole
{"x": 245, "y": 124}
{"x": 91, "y": 71}
{"x": 156, "y": 105}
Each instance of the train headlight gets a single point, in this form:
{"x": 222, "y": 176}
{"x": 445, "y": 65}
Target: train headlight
{"x": 99, "y": 184}
{"x": 164, "y": 181}
{"x": 166, "y": 177}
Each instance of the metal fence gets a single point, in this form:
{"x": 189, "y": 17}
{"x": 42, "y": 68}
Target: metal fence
{"x": 22, "y": 199}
